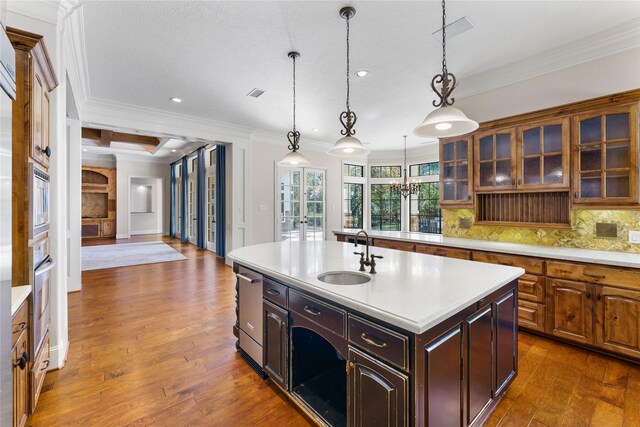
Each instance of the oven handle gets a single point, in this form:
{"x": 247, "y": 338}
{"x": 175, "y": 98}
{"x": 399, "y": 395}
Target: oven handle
{"x": 46, "y": 266}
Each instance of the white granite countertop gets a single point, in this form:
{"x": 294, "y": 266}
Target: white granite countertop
{"x": 620, "y": 259}
{"x": 18, "y": 295}
{"x": 412, "y": 291}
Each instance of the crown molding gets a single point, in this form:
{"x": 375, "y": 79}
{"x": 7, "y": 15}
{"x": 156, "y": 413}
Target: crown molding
{"x": 102, "y": 112}
{"x": 45, "y": 10}
{"x": 76, "y": 51}
{"x": 613, "y": 40}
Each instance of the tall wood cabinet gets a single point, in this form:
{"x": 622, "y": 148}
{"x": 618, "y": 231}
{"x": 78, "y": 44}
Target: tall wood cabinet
{"x": 456, "y": 175}
{"x": 98, "y": 202}
{"x": 35, "y": 79}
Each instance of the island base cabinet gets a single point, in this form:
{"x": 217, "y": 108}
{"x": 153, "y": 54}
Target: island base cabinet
{"x": 275, "y": 341}
{"x": 378, "y": 394}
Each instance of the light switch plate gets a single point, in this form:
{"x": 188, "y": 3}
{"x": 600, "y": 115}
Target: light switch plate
{"x": 263, "y": 208}
{"x": 634, "y": 236}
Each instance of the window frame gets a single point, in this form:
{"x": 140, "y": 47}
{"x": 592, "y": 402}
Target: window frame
{"x": 388, "y": 181}
{"x": 354, "y": 180}
{"x": 435, "y": 179}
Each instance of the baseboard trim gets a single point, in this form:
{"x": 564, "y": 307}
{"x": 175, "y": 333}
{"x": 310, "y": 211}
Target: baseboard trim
{"x": 122, "y": 236}
{"x": 55, "y": 355}
{"x": 141, "y": 232}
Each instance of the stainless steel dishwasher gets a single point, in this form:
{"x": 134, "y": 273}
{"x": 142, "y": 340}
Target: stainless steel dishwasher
{"x": 250, "y": 302}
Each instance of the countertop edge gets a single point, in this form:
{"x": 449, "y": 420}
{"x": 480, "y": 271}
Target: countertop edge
{"x": 393, "y": 319}
{"x": 18, "y": 295}
{"x": 548, "y": 252}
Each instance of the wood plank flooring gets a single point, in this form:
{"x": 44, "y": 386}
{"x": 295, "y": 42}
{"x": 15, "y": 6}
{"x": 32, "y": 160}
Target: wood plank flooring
{"x": 152, "y": 345}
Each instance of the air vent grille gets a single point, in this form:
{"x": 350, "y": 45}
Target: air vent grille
{"x": 255, "y": 93}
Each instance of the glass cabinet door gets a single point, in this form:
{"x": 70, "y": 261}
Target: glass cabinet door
{"x": 543, "y": 155}
{"x": 456, "y": 177}
{"x": 605, "y": 156}
{"x": 495, "y": 160}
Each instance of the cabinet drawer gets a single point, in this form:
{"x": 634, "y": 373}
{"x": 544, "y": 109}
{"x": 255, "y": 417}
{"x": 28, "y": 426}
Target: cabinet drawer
{"x": 594, "y": 274}
{"x": 330, "y": 318}
{"x": 274, "y": 292}
{"x": 530, "y": 265}
{"x": 442, "y": 251}
{"x": 19, "y": 322}
{"x": 531, "y": 288}
{"x": 394, "y": 244}
{"x": 380, "y": 341}
{"x": 39, "y": 370}
{"x": 531, "y": 315}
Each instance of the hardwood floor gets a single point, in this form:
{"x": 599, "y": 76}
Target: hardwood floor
{"x": 153, "y": 345}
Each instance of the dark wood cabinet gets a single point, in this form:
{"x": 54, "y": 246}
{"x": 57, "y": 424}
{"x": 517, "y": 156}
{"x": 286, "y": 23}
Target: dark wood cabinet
{"x": 605, "y": 150}
{"x": 20, "y": 363}
{"x": 506, "y": 341}
{"x": 479, "y": 362}
{"x": 456, "y": 174}
{"x": 378, "y": 394}
{"x": 617, "y": 320}
{"x": 275, "y": 344}
{"x": 570, "y": 310}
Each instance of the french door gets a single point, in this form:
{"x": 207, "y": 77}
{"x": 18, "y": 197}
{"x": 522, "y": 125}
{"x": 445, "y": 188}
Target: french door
{"x": 301, "y": 204}
{"x": 211, "y": 212}
{"x": 193, "y": 214}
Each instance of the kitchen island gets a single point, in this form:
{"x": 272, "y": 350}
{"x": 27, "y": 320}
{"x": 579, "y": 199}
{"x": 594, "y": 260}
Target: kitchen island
{"x": 425, "y": 341}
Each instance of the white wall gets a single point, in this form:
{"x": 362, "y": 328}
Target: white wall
{"x": 127, "y": 168}
{"x": 146, "y": 206}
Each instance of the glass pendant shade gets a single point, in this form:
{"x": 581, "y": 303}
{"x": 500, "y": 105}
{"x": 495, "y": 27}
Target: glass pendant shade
{"x": 294, "y": 159}
{"x": 444, "y": 122}
{"x": 348, "y": 146}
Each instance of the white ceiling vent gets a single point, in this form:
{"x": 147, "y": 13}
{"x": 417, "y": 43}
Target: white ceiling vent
{"x": 454, "y": 29}
{"x": 255, "y": 93}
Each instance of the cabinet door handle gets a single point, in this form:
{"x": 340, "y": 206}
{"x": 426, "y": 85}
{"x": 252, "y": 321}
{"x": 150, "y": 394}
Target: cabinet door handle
{"x": 47, "y": 151}
{"x": 46, "y": 365}
{"x": 588, "y": 295}
{"x": 22, "y": 362}
{"x": 595, "y": 276}
{"x": 575, "y": 195}
{"x": 519, "y": 182}
{"x": 312, "y": 311}
{"x": 598, "y": 297}
{"x": 273, "y": 292}
{"x": 22, "y": 327}
{"x": 372, "y": 341}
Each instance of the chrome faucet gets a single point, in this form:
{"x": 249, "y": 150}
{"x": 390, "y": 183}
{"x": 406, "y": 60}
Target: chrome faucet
{"x": 366, "y": 260}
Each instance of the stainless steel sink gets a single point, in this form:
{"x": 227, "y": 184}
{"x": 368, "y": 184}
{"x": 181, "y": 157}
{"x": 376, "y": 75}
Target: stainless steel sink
{"x": 344, "y": 278}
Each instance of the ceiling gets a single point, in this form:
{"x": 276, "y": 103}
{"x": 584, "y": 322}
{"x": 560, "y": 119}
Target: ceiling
{"x": 211, "y": 54}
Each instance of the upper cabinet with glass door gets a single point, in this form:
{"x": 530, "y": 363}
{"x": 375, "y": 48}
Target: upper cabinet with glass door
{"x": 605, "y": 151}
{"x": 456, "y": 176}
{"x": 543, "y": 155}
{"x": 495, "y": 160}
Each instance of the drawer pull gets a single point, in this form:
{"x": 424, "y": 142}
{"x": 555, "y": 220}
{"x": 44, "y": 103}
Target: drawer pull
{"x": 595, "y": 276}
{"x": 46, "y": 362}
{"x": 372, "y": 341}
{"x": 312, "y": 311}
{"x": 22, "y": 327}
{"x": 273, "y": 292}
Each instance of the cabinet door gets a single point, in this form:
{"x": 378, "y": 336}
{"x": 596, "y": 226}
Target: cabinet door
{"x": 543, "y": 155}
{"x": 378, "y": 394}
{"x": 495, "y": 160}
{"x": 46, "y": 131}
{"x": 605, "y": 149}
{"x": 506, "y": 342}
{"x": 617, "y": 325}
{"x": 20, "y": 380}
{"x": 479, "y": 362}
{"x": 108, "y": 228}
{"x": 275, "y": 343}
{"x": 443, "y": 379}
{"x": 37, "y": 123}
{"x": 570, "y": 310}
{"x": 456, "y": 176}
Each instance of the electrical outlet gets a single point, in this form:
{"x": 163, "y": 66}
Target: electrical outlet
{"x": 634, "y": 236}
{"x": 262, "y": 208}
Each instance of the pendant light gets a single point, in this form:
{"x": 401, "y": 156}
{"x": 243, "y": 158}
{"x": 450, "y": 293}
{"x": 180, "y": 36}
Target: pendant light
{"x": 348, "y": 145}
{"x": 446, "y": 120}
{"x": 294, "y": 158}
{"x": 407, "y": 187}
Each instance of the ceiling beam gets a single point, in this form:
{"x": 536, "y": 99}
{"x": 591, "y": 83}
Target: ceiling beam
{"x": 104, "y": 138}
{"x": 136, "y": 139}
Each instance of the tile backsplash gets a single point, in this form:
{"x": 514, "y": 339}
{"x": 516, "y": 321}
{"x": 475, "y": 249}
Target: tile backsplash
{"x": 582, "y": 235}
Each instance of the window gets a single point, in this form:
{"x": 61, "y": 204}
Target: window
{"x": 425, "y": 169}
{"x": 211, "y": 214}
{"x": 385, "y": 171}
{"x": 352, "y": 205}
{"x": 353, "y": 170}
{"x": 178, "y": 200}
{"x": 194, "y": 165}
{"x": 385, "y": 208}
{"x": 425, "y": 213}
{"x": 212, "y": 157}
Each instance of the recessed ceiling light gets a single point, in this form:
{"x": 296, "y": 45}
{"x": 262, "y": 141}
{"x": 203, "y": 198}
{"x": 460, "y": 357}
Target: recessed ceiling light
{"x": 176, "y": 100}
{"x": 362, "y": 73}
{"x": 316, "y": 129}
{"x": 173, "y": 151}
{"x": 84, "y": 149}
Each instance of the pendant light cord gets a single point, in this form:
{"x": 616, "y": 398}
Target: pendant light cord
{"x": 444, "y": 40}
{"x": 405, "y": 159}
{"x": 348, "y": 70}
{"x": 294, "y": 93}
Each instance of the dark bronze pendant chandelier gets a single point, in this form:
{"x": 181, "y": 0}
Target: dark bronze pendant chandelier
{"x": 294, "y": 158}
{"x": 406, "y": 188}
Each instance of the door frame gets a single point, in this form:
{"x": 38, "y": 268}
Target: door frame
{"x": 277, "y": 200}
{"x": 162, "y": 204}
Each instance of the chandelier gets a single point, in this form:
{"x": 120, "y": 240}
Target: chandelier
{"x": 294, "y": 158}
{"x": 446, "y": 120}
{"x": 406, "y": 187}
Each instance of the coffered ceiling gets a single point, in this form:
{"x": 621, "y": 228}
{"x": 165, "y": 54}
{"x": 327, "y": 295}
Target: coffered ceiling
{"x": 212, "y": 54}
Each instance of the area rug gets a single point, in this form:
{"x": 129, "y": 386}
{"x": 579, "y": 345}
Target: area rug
{"x": 126, "y": 254}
